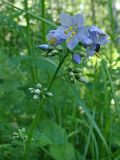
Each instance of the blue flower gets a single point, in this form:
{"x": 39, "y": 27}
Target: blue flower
{"x": 76, "y": 58}
{"x": 72, "y": 30}
{"x": 98, "y": 38}
{"x": 53, "y": 39}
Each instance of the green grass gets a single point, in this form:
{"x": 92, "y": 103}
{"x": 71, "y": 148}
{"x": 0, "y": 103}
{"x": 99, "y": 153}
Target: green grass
{"x": 80, "y": 122}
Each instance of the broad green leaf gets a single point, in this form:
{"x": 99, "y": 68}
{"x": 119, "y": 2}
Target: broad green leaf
{"x": 51, "y": 133}
{"x": 63, "y": 152}
{"x": 45, "y": 140}
{"x": 38, "y": 62}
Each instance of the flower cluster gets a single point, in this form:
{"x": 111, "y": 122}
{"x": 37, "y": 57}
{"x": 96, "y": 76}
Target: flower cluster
{"x": 20, "y": 134}
{"x": 75, "y": 75}
{"x": 73, "y": 32}
{"x": 39, "y": 93}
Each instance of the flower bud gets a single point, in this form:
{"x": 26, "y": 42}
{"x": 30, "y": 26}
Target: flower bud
{"x": 31, "y": 90}
{"x": 15, "y": 133}
{"x": 35, "y": 96}
{"x": 81, "y": 110}
{"x": 49, "y": 94}
{"x": 38, "y": 85}
{"x": 23, "y": 129}
{"x": 76, "y": 58}
{"x": 45, "y": 89}
{"x": 43, "y": 96}
{"x": 71, "y": 74}
{"x": 53, "y": 53}
{"x": 82, "y": 79}
{"x": 59, "y": 48}
{"x": 45, "y": 47}
{"x": 37, "y": 91}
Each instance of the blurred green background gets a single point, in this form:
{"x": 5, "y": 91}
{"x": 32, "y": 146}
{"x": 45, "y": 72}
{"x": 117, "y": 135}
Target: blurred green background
{"x": 82, "y": 122}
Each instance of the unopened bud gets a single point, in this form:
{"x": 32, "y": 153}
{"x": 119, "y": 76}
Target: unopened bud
{"x": 71, "y": 74}
{"x": 15, "y": 133}
{"x": 45, "y": 47}
{"x": 82, "y": 79}
{"x": 43, "y": 96}
{"x": 59, "y": 48}
{"x": 49, "y": 94}
{"x": 37, "y": 91}
{"x": 35, "y": 96}
{"x": 45, "y": 89}
{"x": 81, "y": 110}
{"x": 76, "y": 58}
{"x": 38, "y": 85}
{"x": 53, "y": 53}
{"x": 31, "y": 90}
{"x": 23, "y": 129}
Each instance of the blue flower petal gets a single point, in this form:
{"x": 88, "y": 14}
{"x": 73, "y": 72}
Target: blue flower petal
{"x": 59, "y": 41}
{"x": 52, "y": 35}
{"x": 44, "y": 47}
{"x": 73, "y": 42}
{"x": 102, "y": 40}
{"x": 96, "y": 29}
{"x": 92, "y": 50}
{"x": 93, "y": 36}
{"x": 84, "y": 36}
{"x": 86, "y": 41}
{"x": 60, "y": 32}
{"x": 76, "y": 58}
{"x": 66, "y": 19}
{"x": 78, "y": 20}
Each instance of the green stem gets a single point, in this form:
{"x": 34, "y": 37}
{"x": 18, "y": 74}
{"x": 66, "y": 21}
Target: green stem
{"x": 29, "y": 39}
{"x": 31, "y": 131}
{"x": 28, "y": 27}
{"x": 111, "y": 19}
{"x": 112, "y": 88}
{"x": 93, "y": 11}
{"x": 43, "y": 23}
{"x": 56, "y": 72}
{"x": 38, "y": 114}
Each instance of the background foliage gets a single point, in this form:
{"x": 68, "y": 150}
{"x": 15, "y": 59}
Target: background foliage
{"x": 79, "y": 122}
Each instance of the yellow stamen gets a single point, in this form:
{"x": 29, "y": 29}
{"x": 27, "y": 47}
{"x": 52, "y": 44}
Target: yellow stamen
{"x": 66, "y": 32}
{"x": 52, "y": 41}
{"x": 70, "y": 28}
{"x": 73, "y": 33}
{"x": 68, "y": 40}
